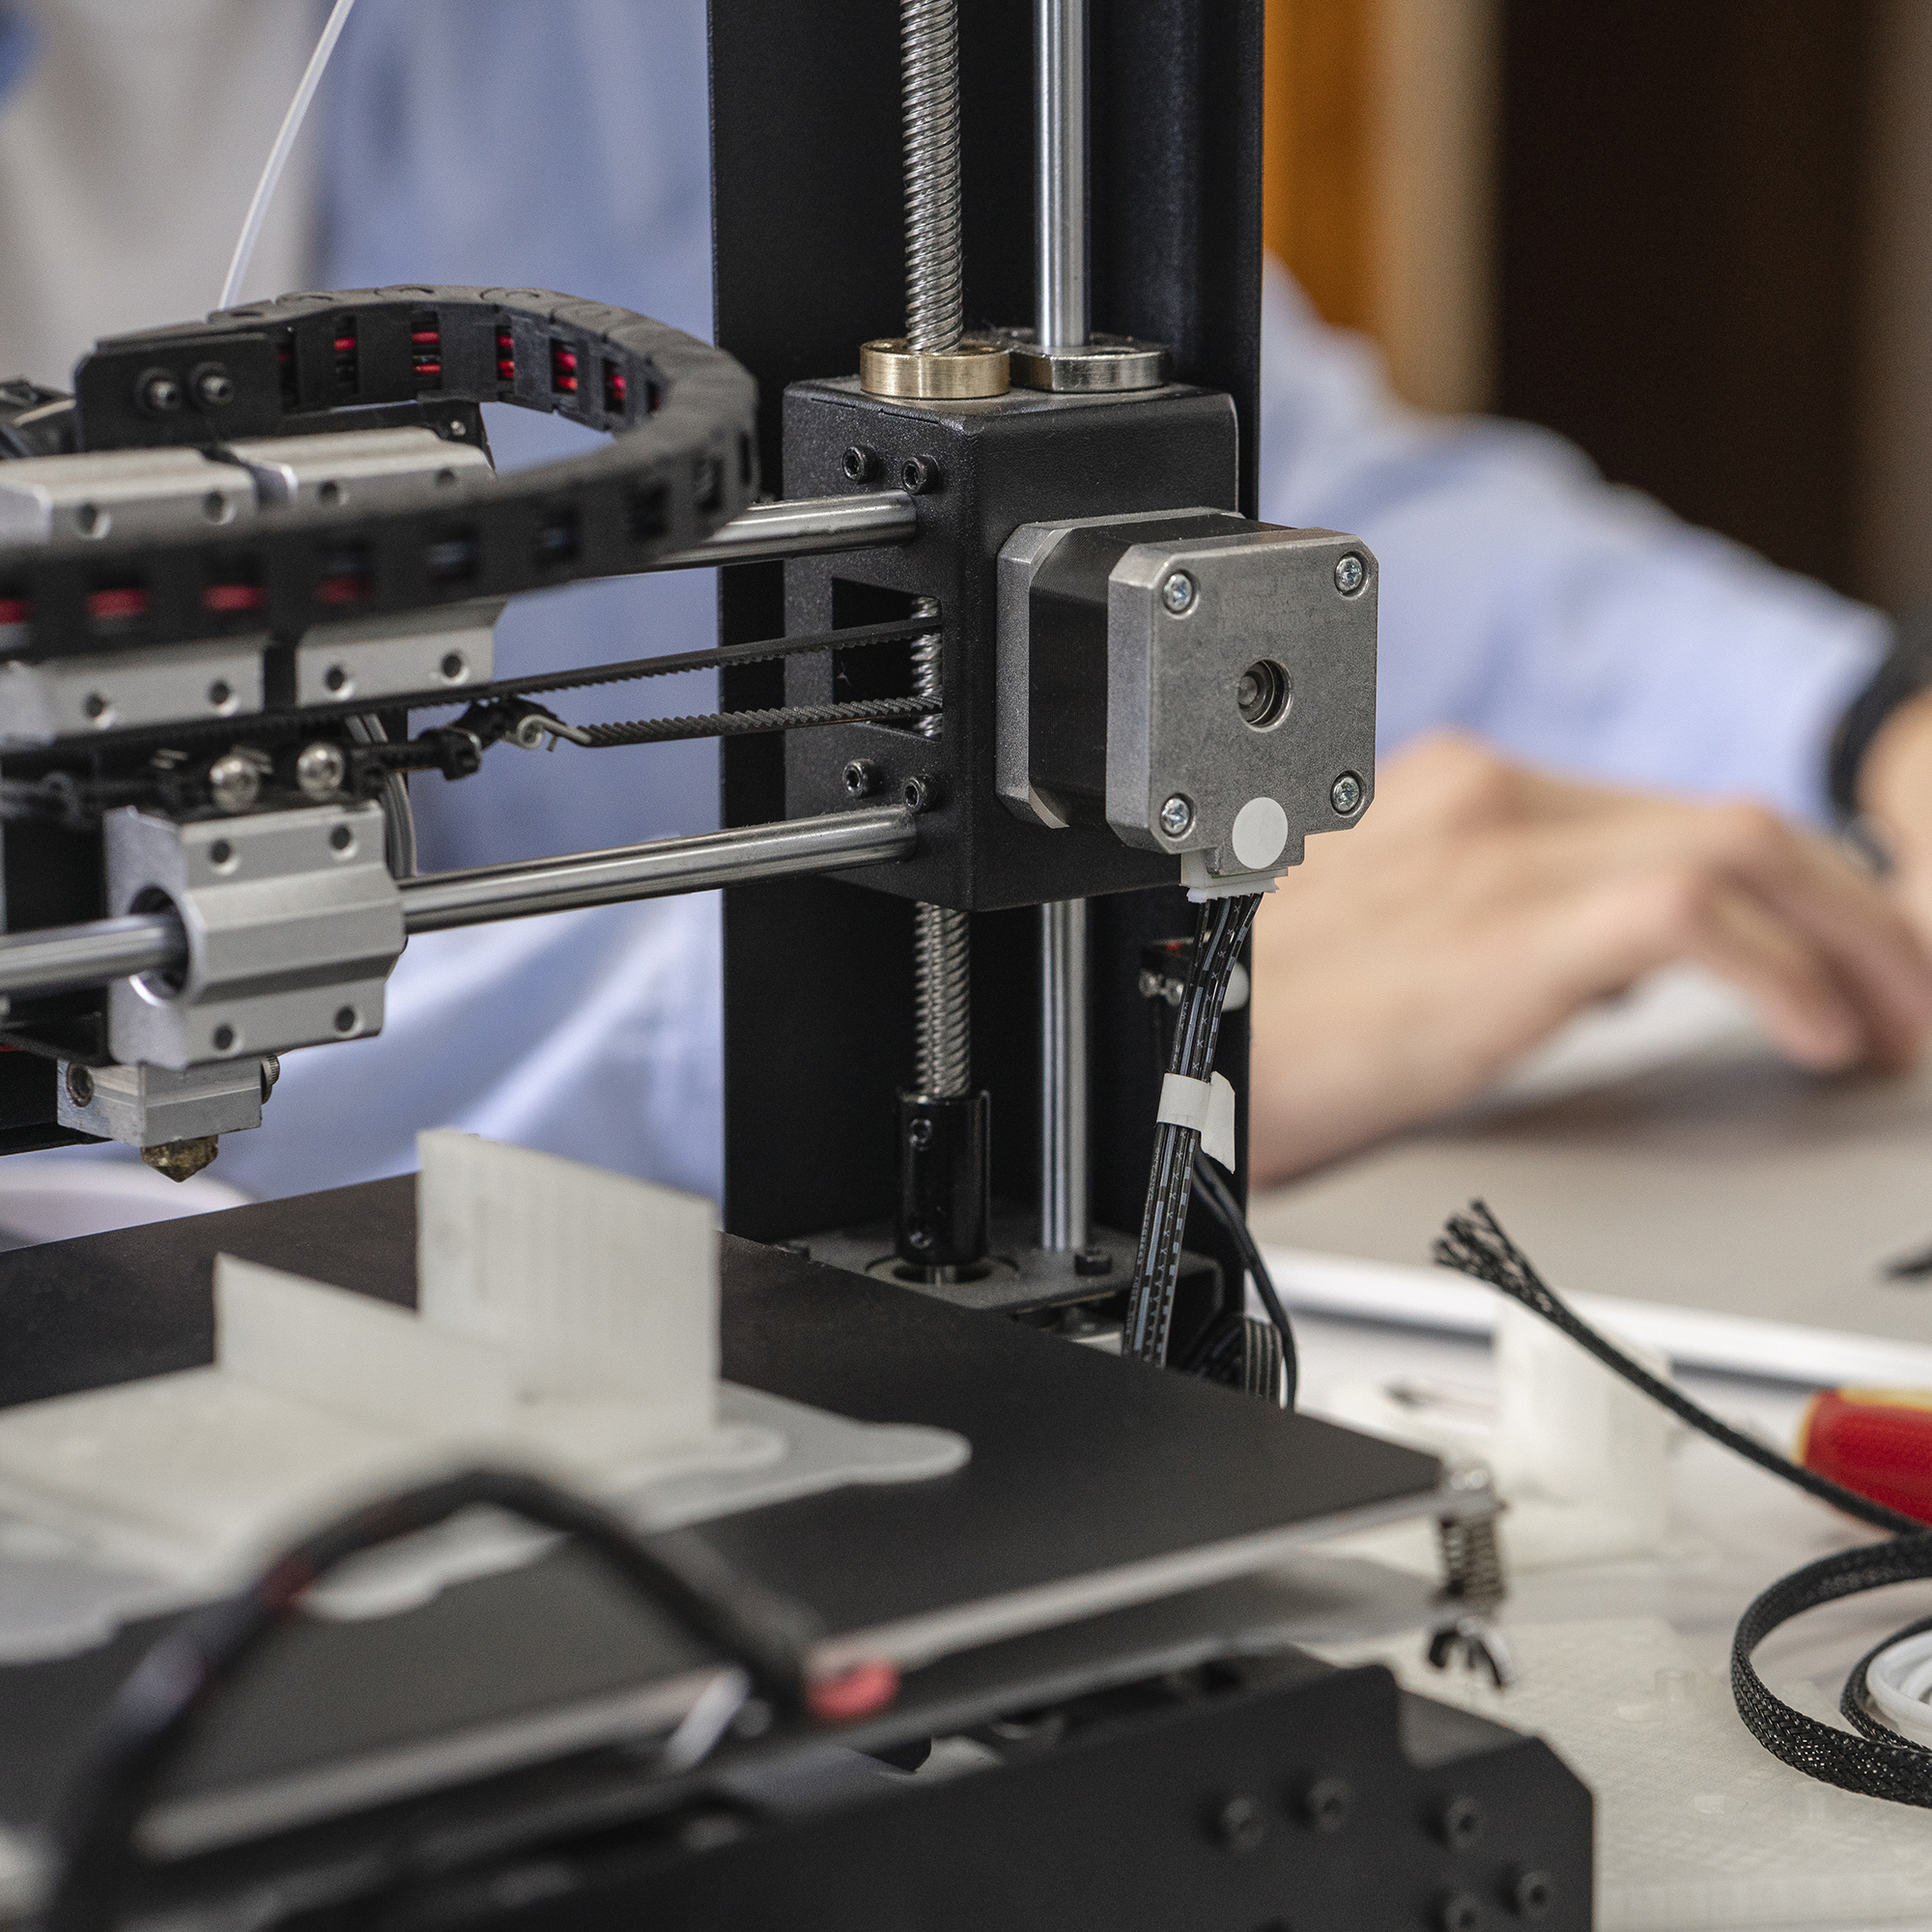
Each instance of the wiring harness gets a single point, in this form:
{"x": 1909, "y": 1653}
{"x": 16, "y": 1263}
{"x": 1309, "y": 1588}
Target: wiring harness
{"x": 164, "y": 1703}
{"x": 1223, "y": 931}
{"x": 1880, "y": 1762}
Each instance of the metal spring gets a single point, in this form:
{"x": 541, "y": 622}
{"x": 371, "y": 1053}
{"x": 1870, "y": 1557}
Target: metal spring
{"x": 1472, "y": 1561}
{"x": 929, "y": 88}
{"x": 942, "y": 1000}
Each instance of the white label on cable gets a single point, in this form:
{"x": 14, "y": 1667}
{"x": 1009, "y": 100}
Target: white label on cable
{"x": 1207, "y": 1106}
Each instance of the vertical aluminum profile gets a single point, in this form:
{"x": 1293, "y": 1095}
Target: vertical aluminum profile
{"x": 1062, "y": 318}
{"x": 1063, "y": 1222}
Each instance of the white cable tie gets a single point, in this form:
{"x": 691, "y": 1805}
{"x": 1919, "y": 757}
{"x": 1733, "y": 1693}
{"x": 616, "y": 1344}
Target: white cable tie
{"x": 1207, "y": 1106}
{"x": 279, "y": 155}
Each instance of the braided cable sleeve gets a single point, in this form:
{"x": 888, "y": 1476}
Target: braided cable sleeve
{"x": 1219, "y": 941}
{"x": 929, "y": 84}
{"x": 942, "y": 1001}
{"x": 1475, "y": 1245}
{"x": 1881, "y": 1763}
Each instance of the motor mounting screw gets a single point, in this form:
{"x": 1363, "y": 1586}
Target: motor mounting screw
{"x": 860, "y": 464}
{"x": 863, "y": 777}
{"x": 1351, "y": 574}
{"x": 1177, "y": 815}
{"x": 1346, "y": 794}
{"x": 919, "y": 475}
{"x": 918, "y": 793}
{"x": 1178, "y": 593}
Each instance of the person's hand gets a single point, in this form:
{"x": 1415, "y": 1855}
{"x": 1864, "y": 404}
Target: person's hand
{"x": 1480, "y": 905}
{"x": 1895, "y": 794}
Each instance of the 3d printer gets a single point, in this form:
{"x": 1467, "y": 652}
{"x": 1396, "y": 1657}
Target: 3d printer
{"x": 1010, "y": 675}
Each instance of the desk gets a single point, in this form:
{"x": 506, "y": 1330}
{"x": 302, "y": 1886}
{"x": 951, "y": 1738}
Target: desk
{"x": 1698, "y": 1827}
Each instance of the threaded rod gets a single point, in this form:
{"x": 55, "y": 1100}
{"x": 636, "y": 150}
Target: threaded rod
{"x": 929, "y": 87}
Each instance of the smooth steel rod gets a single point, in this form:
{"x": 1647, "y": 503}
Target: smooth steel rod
{"x": 1063, "y": 1208}
{"x": 740, "y": 857}
{"x": 806, "y": 527}
{"x": 56, "y": 959}
{"x": 1062, "y": 318}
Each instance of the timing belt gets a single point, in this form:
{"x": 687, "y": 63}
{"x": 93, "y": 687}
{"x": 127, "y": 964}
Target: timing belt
{"x": 308, "y": 716}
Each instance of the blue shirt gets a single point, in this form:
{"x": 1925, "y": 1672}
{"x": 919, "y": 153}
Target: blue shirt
{"x": 566, "y": 146}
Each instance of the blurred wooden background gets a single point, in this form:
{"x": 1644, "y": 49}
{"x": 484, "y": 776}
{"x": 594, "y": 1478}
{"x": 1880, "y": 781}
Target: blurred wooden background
{"x": 1696, "y": 240}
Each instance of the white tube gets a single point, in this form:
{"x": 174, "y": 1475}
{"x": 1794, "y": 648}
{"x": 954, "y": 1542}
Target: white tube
{"x": 279, "y": 155}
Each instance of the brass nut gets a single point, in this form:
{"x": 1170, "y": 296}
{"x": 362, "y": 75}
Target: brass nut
{"x": 978, "y": 368}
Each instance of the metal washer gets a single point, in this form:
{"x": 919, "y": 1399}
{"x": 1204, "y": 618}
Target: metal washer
{"x": 1101, "y": 362}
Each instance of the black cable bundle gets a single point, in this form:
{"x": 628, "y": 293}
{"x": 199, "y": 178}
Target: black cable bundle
{"x": 1879, "y": 1764}
{"x": 163, "y": 1704}
{"x": 1218, "y": 946}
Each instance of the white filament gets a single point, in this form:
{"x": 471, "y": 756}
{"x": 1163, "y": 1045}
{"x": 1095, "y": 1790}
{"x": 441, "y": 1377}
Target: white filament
{"x": 279, "y": 155}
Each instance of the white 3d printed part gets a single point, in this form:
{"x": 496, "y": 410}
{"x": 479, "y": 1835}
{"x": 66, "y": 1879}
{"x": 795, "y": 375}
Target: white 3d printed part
{"x": 568, "y": 1324}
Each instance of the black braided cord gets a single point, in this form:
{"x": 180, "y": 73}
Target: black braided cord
{"x": 1223, "y": 931}
{"x": 165, "y": 1703}
{"x": 1878, "y": 1762}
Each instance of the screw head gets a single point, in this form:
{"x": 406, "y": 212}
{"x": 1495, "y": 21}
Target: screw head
{"x": 918, "y": 1133}
{"x": 344, "y": 1019}
{"x": 320, "y": 769}
{"x": 918, "y": 793}
{"x": 79, "y": 1086}
{"x": 1346, "y": 794}
{"x": 234, "y": 782}
{"x": 1460, "y": 1823}
{"x": 1351, "y": 574}
{"x": 1177, "y": 815}
{"x": 1531, "y": 1894}
{"x": 863, "y": 777}
{"x": 1176, "y": 594}
{"x": 1238, "y": 1826}
{"x": 158, "y": 394}
{"x": 1327, "y": 1803}
{"x": 1460, "y": 1912}
{"x": 919, "y": 475}
{"x": 860, "y": 464}
{"x": 1092, "y": 1261}
{"x": 214, "y": 388}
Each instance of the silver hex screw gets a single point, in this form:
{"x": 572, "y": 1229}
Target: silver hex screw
{"x": 1351, "y": 574}
{"x": 234, "y": 782}
{"x": 321, "y": 769}
{"x": 1346, "y": 794}
{"x": 1176, "y": 594}
{"x": 1177, "y": 815}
